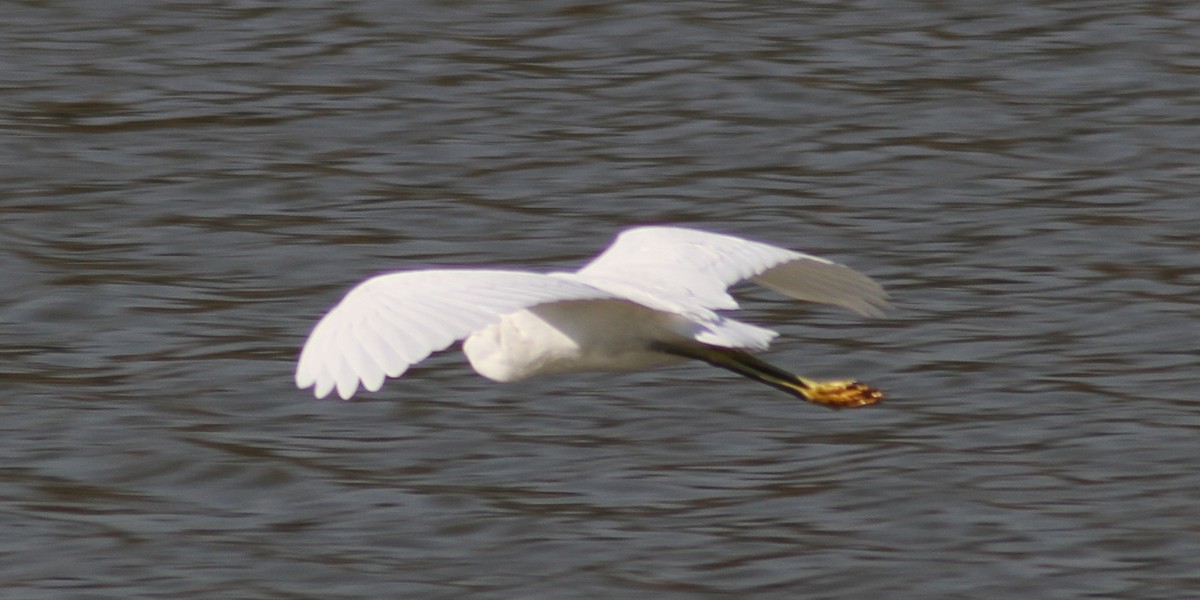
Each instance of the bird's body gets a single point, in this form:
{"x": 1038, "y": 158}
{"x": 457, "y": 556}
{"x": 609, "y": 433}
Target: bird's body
{"x": 583, "y": 335}
{"x": 650, "y": 300}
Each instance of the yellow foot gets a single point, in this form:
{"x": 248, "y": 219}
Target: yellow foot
{"x": 841, "y": 394}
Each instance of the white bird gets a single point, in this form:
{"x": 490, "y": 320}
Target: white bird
{"x": 650, "y": 299}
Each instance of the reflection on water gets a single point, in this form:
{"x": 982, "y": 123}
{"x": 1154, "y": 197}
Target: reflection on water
{"x": 185, "y": 190}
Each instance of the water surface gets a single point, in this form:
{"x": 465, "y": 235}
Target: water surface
{"x": 186, "y": 188}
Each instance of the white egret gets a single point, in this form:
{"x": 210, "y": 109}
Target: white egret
{"x": 649, "y": 300}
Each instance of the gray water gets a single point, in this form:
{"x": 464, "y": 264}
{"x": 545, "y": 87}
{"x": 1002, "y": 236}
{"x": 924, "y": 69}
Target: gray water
{"x": 186, "y": 187}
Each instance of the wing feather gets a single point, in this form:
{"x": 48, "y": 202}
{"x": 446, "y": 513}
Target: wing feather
{"x": 390, "y": 322}
{"x": 695, "y": 268}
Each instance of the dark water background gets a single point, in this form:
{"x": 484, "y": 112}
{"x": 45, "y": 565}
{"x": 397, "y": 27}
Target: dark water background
{"x": 186, "y": 186}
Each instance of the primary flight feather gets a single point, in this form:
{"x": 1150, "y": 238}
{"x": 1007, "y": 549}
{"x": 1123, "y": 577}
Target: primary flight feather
{"x": 650, "y": 299}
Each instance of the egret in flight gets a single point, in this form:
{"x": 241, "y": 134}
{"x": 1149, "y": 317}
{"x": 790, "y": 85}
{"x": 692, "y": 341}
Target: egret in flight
{"x": 651, "y": 299}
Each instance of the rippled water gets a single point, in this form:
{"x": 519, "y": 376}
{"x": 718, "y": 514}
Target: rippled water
{"x": 186, "y": 187}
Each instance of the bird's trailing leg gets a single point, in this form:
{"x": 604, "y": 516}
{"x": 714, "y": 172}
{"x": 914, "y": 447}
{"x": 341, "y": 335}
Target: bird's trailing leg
{"x": 832, "y": 394}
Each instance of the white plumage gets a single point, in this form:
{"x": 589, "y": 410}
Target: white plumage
{"x": 650, "y": 299}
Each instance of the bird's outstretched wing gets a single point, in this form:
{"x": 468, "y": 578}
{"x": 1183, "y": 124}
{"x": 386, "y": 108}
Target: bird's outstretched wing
{"x": 390, "y": 322}
{"x": 697, "y": 267}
